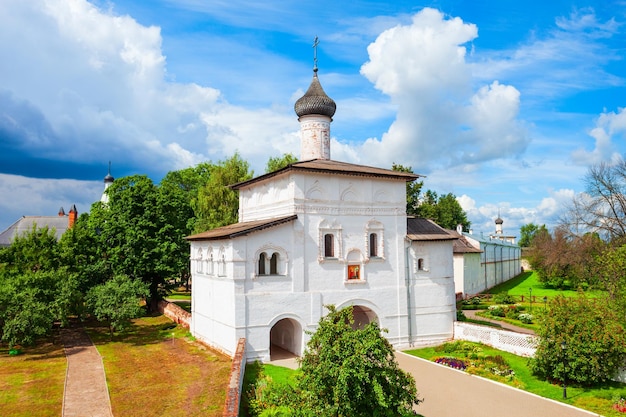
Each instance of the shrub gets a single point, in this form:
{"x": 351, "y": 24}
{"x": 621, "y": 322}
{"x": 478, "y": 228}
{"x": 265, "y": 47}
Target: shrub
{"x": 497, "y": 311}
{"x": 503, "y": 298}
{"x": 594, "y": 341}
{"x": 525, "y": 318}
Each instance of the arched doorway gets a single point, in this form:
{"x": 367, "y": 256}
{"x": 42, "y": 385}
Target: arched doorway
{"x": 285, "y": 339}
{"x": 363, "y": 316}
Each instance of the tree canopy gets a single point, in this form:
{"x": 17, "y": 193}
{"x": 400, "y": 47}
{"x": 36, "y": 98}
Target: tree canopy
{"x": 444, "y": 210}
{"x": 217, "y": 203}
{"x": 351, "y": 371}
{"x": 581, "y": 341}
{"x": 280, "y": 162}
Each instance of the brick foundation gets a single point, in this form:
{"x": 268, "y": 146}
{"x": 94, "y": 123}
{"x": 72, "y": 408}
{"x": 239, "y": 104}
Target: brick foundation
{"x": 233, "y": 392}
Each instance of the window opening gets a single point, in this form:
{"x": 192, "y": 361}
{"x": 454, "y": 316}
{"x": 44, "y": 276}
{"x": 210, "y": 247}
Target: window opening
{"x": 274, "y": 264}
{"x": 373, "y": 244}
{"x": 329, "y": 250}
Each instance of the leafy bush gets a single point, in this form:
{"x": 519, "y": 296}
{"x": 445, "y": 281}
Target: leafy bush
{"x": 581, "y": 341}
{"x": 503, "y": 298}
{"x": 497, "y": 311}
{"x": 525, "y": 318}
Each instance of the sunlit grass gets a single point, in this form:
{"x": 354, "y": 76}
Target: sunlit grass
{"x": 154, "y": 364}
{"x": 31, "y": 384}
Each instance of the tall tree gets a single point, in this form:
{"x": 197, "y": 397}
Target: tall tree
{"x": 413, "y": 190}
{"x": 218, "y": 204}
{"x": 133, "y": 236}
{"x": 450, "y": 213}
{"x": 602, "y": 209}
{"x": 528, "y": 233}
{"x": 581, "y": 341}
{"x": 178, "y": 197}
{"x": 348, "y": 371}
{"x": 280, "y": 162}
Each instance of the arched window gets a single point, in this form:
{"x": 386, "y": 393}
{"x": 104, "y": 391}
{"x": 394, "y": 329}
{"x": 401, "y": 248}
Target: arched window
{"x": 373, "y": 245}
{"x": 329, "y": 249}
{"x": 274, "y": 264}
{"x": 262, "y": 258}
{"x": 221, "y": 267}
{"x": 420, "y": 264}
{"x": 210, "y": 267}
{"x": 199, "y": 261}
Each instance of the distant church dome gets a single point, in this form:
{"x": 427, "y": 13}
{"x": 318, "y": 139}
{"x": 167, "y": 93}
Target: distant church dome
{"x": 315, "y": 100}
{"x": 499, "y": 221}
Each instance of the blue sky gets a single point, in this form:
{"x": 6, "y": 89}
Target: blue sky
{"x": 505, "y": 104}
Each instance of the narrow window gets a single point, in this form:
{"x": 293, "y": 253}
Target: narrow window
{"x": 274, "y": 264}
{"x": 373, "y": 245}
{"x": 210, "y": 265}
{"x": 262, "y": 263}
{"x": 199, "y": 261}
{"x": 420, "y": 264}
{"x": 329, "y": 250}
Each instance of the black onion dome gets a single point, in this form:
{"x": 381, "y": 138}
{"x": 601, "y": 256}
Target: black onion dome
{"x": 109, "y": 178}
{"x": 315, "y": 101}
{"x": 499, "y": 221}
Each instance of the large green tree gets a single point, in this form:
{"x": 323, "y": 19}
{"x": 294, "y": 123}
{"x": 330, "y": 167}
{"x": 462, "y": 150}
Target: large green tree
{"x": 581, "y": 341}
{"x": 218, "y": 204}
{"x": 117, "y": 301}
{"x": 413, "y": 190}
{"x": 35, "y": 290}
{"x": 280, "y": 162}
{"x": 349, "y": 371}
{"x": 444, "y": 210}
{"x": 135, "y": 235}
{"x": 528, "y": 233}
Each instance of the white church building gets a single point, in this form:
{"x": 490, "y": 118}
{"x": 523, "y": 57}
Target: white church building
{"x": 321, "y": 232}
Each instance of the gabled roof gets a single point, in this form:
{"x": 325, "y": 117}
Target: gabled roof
{"x": 25, "y": 224}
{"x": 332, "y": 167}
{"x": 419, "y": 229}
{"x": 241, "y": 229}
{"x": 462, "y": 245}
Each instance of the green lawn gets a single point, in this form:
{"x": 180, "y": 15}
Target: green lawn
{"x": 523, "y": 283}
{"x": 598, "y": 400}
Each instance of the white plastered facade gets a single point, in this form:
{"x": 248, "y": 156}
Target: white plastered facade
{"x": 239, "y": 291}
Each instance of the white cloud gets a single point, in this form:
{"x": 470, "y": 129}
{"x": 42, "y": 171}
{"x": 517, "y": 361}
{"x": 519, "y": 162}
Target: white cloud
{"x": 608, "y": 126}
{"x": 22, "y": 196}
{"x": 98, "y": 82}
{"x": 440, "y": 120}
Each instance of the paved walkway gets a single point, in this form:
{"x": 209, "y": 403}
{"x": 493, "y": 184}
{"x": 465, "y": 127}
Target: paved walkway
{"x": 451, "y": 393}
{"x": 86, "y": 393}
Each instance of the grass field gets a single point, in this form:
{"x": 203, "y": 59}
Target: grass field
{"x": 31, "y": 384}
{"x": 598, "y": 400}
{"x": 155, "y": 365}
{"x": 153, "y": 369}
{"x": 523, "y": 283}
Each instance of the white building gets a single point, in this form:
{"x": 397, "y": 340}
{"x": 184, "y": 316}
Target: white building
{"x": 321, "y": 232}
{"x": 483, "y": 262}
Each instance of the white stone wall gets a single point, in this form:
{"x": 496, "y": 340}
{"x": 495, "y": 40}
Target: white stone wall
{"x": 468, "y": 275}
{"x": 232, "y": 300}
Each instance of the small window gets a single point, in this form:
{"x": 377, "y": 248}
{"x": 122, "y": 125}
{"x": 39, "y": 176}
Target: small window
{"x": 210, "y": 264}
{"x": 329, "y": 250}
{"x": 262, "y": 263}
{"x": 420, "y": 264}
{"x": 199, "y": 261}
{"x": 274, "y": 264}
{"x": 354, "y": 272}
{"x": 373, "y": 245}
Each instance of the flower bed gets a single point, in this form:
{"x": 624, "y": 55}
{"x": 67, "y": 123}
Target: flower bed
{"x": 451, "y": 362}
